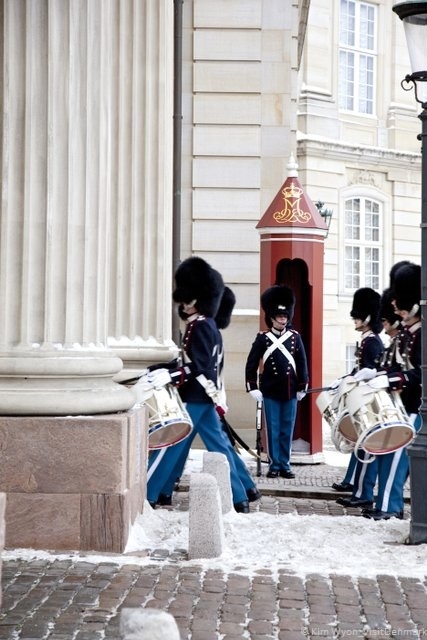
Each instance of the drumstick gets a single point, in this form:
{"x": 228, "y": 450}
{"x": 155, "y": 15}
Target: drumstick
{"x": 317, "y": 389}
{"x": 134, "y": 379}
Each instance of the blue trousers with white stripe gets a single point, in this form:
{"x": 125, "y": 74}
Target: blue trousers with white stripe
{"x": 166, "y": 465}
{"x": 365, "y": 476}
{"x": 349, "y": 474}
{"x": 393, "y": 471}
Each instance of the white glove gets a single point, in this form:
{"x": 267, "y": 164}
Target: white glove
{"x": 218, "y": 397}
{"x": 301, "y": 395}
{"x": 142, "y": 389}
{"x": 365, "y": 374}
{"x": 159, "y": 378}
{"x": 256, "y": 395}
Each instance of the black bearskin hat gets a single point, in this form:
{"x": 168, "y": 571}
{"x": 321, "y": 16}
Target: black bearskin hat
{"x": 395, "y": 268}
{"x": 196, "y": 280}
{"x": 387, "y": 311}
{"x": 366, "y": 307}
{"x": 407, "y": 288}
{"x": 226, "y": 306}
{"x": 276, "y": 300}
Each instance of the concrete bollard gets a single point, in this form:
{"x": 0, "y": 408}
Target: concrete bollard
{"x": 148, "y": 624}
{"x": 217, "y": 465}
{"x": 2, "y": 530}
{"x": 205, "y": 528}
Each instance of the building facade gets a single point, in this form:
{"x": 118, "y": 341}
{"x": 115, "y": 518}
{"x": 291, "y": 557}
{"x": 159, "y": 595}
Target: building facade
{"x": 322, "y": 81}
{"x": 93, "y": 173}
{"x": 240, "y": 94}
{"x": 358, "y": 152}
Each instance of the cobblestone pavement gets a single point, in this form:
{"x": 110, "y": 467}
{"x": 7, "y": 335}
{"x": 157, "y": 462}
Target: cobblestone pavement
{"x": 73, "y": 599}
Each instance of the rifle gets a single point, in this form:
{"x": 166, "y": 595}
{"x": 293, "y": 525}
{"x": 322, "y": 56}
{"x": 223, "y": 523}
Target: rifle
{"x": 258, "y": 437}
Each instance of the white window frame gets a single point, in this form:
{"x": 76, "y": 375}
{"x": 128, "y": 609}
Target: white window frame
{"x": 383, "y": 244}
{"x": 350, "y": 356}
{"x": 359, "y": 53}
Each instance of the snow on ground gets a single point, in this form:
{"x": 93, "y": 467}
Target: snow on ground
{"x": 302, "y": 544}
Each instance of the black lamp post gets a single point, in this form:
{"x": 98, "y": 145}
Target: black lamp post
{"x": 414, "y": 17}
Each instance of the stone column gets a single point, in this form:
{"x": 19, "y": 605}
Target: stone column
{"x": 141, "y": 270}
{"x": 73, "y": 442}
{"x": 59, "y": 98}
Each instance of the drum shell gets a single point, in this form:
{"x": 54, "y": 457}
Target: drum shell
{"x": 325, "y": 404}
{"x": 169, "y": 422}
{"x": 328, "y": 404}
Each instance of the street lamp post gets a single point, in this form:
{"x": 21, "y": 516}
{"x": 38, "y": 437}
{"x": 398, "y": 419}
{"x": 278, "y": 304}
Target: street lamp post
{"x": 414, "y": 17}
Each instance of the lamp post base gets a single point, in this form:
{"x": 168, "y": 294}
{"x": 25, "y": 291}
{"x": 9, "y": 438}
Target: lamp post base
{"x": 418, "y": 473}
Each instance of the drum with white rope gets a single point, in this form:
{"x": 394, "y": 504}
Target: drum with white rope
{"x": 328, "y": 405}
{"x": 345, "y": 425}
{"x": 333, "y": 407}
{"x": 379, "y": 417}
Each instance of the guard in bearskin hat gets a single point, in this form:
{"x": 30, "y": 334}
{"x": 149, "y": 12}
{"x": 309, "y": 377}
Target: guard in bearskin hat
{"x": 276, "y": 299}
{"x": 365, "y": 311}
{"x": 391, "y": 325}
{"x": 277, "y": 375}
{"x": 404, "y": 375}
{"x": 406, "y": 291}
{"x": 206, "y": 305}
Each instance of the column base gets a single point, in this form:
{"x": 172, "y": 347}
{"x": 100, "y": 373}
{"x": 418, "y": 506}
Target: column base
{"x": 137, "y": 355}
{"x": 73, "y": 483}
{"x": 43, "y": 382}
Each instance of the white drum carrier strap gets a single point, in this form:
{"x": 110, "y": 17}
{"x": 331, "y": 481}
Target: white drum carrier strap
{"x": 277, "y": 343}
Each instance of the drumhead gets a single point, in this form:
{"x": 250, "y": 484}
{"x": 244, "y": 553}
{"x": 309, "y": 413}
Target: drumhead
{"x": 341, "y": 444}
{"x": 168, "y": 434}
{"x": 387, "y": 437}
{"x": 345, "y": 426}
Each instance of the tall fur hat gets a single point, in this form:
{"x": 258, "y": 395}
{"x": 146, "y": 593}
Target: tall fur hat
{"x": 196, "y": 280}
{"x": 387, "y": 311}
{"x": 407, "y": 288}
{"x": 277, "y": 299}
{"x": 366, "y": 307}
{"x": 226, "y": 306}
{"x": 395, "y": 268}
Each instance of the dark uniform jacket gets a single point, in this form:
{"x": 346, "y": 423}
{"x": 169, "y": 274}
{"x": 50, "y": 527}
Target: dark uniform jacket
{"x": 277, "y": 379}
{"x": 406, "y": 373}
{"x": 202, "y": 354}
{"x": 369, "y": 352}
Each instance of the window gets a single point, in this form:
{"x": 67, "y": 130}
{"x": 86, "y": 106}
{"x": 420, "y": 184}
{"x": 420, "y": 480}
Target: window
{"x": 362, "y": 243}
{"x": 357, "y": 56}
{"x": 350, "y": 357}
